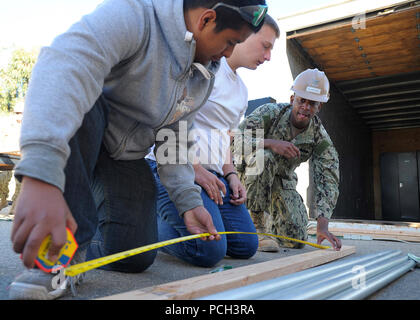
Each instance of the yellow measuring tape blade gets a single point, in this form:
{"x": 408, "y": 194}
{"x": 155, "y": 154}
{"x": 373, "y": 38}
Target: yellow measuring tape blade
{"x": 76, "y": 269}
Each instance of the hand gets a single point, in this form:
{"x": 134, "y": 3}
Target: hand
{"x": 41, "y": 210}
{"x": 209, "y": 182}
{"x": 283, "y": 148}
{"x": 323, "y": 233}
{"x": 198, "y": 220}
{"x": 238, "y": 194}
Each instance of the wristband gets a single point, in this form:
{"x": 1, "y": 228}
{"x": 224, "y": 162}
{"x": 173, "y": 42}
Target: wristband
{"x": 229, "y": 174}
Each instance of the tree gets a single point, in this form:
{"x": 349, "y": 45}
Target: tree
{"x": 14, "y": 78}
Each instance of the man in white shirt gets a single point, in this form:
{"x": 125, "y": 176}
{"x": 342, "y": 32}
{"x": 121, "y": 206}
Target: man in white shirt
{"x": 222, "y": 192}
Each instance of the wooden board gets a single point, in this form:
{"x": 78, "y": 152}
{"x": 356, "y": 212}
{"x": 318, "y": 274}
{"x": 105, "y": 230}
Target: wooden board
{"x": 6, "y": 167}
{"x": 374, "y": 231}
{"x": 208, "y": 284}
{"x": 8, "y": 160}
{"x": 389, "y": 45}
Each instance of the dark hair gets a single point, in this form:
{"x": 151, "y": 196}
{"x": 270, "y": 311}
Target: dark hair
{"x": 269, "y": 21}
{"x": 226, "y": 18}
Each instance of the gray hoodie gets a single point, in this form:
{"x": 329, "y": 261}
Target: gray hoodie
{"x": 139, "y": 54}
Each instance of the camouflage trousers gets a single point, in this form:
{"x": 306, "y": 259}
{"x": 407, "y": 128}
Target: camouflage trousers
{"x": 5, "y": 177}
{"x": 277, "y": 200}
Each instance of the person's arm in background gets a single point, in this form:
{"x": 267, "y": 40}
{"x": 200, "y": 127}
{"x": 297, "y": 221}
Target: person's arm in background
{"x": 325, "y": 167}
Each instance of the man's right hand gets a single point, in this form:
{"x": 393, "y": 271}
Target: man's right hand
{"x": 198, "y": 220}
{"x": 283, "y": 148}
{"x": 41, "y": 210}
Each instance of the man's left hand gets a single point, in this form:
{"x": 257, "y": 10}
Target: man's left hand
{"x": 238, "y": 191}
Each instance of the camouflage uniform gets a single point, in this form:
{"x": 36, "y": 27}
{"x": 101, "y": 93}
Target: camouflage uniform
{"x": 274, "y": 190}
{"x": 5, "y": 177}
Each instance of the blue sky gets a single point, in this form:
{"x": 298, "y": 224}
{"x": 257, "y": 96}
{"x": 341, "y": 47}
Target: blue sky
{"x": 31, "y": 23}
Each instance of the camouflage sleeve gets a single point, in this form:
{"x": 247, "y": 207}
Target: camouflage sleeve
{"x": 251, "y": 132}
{"x": 325, "y": 171}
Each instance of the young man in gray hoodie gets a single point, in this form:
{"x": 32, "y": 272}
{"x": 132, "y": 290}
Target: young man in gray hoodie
{"x": 98, "y": 97}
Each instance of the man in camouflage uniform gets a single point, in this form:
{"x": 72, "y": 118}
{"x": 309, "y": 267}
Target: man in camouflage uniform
{"x": 293, "y": 133}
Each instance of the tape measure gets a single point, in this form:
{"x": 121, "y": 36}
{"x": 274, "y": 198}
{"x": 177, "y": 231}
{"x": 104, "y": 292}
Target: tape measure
{"x": 64, "y": 257}
{"x": 76, "y": 269}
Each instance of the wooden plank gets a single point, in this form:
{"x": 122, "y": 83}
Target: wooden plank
{"x": 348, "y": 38}
{"x": 361, "y": 74}
{"x": 212, "y": 283}
{"x": 6, "y": 167}
{"x": 373, "y": 235}
{"x": 11, "y": 153}
{"x": 375, "y": 231}
{"x": 389, "y": 43}
{"x": 8, "y": 160}
{"x": 376, "y": 66}
{"x": 401, "y": 19}
{"x": 360, "y": 69}
{"x": 373, "y": 53}
{"x": 349, "y": 58}
{"x": 387, "y": 223}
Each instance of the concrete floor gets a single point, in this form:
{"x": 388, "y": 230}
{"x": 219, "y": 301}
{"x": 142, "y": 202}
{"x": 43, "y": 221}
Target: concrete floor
{"x": 100, "y": 283}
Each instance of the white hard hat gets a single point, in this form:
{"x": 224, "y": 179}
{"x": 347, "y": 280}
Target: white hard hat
{"x": 312, "y": 84}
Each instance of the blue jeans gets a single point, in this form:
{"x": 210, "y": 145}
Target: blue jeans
{"x": 113, "y": 202}
{"x": 226, "y": 217}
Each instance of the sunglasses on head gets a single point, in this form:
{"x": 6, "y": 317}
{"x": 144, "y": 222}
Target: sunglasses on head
{"x": 251, "y": 14}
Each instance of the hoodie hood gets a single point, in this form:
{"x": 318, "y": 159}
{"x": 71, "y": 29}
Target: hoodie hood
{"x": 170, "y": 16}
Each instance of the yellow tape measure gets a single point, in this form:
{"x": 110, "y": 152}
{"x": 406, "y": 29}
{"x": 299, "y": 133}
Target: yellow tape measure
{"x": 96, "y": 263}
{"x": 64, "y": 257}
